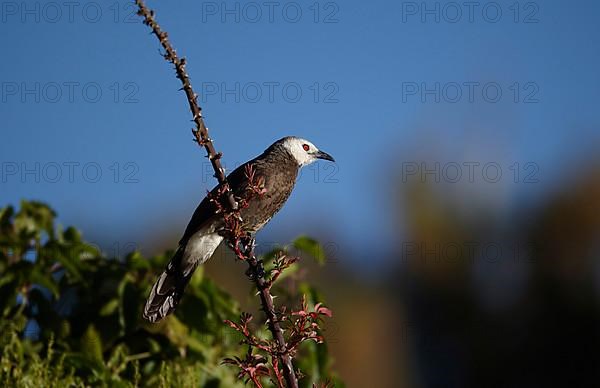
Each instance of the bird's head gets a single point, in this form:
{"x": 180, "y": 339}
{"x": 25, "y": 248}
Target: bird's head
{"x": 303, "y": 151}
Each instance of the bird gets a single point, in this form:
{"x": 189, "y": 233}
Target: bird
{"x": 276, "y": 169}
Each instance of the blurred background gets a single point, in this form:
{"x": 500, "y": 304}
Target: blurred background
{"x": 461, "y": 221}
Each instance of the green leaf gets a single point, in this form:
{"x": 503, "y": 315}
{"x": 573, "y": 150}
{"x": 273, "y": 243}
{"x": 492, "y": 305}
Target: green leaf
{"x": 91, "y": 345}
{"x": 67, "y": 254}
{"x": 130, "y": 304}
{"x": 72, "y": 235}
{"x": 135, "y": 260}
{"x": 109, "y": 308}
{"x": 273, "y": 253}
{"x": 310, "y": 246}
{"x": 6, "y": 215}
{"x": 38, "y": 276}
{"x": 35, "y": 217}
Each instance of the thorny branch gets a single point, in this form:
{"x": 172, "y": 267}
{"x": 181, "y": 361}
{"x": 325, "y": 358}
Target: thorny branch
{"x": 243, "y": 246}
{"x": 201, "y": 131}
{"x": 303, "y": 328}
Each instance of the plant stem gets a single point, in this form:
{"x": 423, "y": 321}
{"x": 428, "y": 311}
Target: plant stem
{"x": 203, "y": 140}
{"x": 266, "y": 299}
{"x": 201, "y": 131}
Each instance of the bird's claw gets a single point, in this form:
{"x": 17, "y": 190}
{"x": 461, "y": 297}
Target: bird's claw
{"x": 257, "y": 271}
{"x": 260, "y": 269}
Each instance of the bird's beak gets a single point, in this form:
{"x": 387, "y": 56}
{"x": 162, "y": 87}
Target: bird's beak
{"x": 324, "y": 155}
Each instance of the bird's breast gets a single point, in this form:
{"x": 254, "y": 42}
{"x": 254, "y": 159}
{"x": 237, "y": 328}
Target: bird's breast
{"x": 261, "y": 208}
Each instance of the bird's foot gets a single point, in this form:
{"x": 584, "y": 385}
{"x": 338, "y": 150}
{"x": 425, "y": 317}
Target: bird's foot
{"x": 260, "y": 269}
{"x": 256, "y": 271}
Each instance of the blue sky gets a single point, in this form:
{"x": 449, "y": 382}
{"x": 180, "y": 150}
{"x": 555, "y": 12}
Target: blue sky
{"x": 121, "y": 164}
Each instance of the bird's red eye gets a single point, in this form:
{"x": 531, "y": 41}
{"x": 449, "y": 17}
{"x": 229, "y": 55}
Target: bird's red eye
{"x": 306, "y": 147}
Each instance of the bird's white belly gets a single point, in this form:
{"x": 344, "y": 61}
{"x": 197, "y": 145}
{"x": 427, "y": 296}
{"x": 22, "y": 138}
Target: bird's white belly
{"x": 200, "y": 247}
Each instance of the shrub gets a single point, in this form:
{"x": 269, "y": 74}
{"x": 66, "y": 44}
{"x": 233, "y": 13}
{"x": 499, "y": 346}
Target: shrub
{"x": 72, "y": 317}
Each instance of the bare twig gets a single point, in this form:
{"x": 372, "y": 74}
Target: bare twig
{"x": 200, "y": 133}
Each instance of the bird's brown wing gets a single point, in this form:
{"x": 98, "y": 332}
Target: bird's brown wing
{"x": 205, "y": 215}
{"x": 168, "y": 289}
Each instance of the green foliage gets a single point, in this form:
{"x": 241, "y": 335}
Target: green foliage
{"x": 40, "y": 371}
{"x": 88, "y": 309}
{"x": 312, "y": 247}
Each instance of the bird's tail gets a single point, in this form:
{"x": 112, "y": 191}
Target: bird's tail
{"x": 168, "y": 289}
